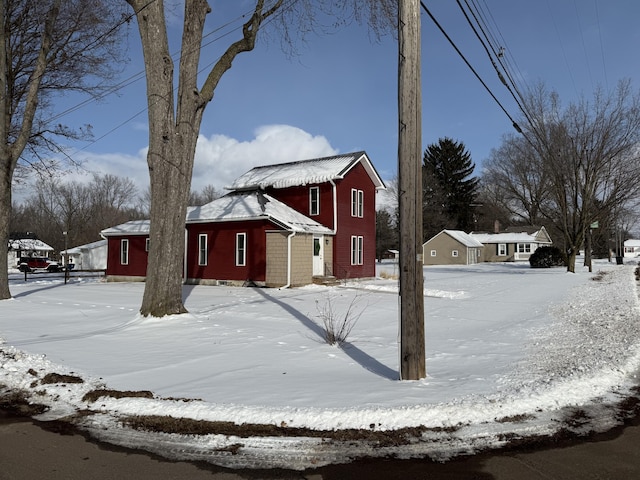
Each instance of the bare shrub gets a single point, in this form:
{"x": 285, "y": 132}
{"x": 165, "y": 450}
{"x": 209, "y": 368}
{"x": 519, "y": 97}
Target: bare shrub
{"x": 338, "y": 324}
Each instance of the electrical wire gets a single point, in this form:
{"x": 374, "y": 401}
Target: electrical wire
{"x": 433, "y": 19}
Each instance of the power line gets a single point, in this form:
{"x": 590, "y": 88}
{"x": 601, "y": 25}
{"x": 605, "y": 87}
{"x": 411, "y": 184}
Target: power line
{"x": 513, "y": 122}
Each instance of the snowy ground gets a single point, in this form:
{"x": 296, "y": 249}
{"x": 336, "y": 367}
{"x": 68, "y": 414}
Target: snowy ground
{"x": 511, "y": 352}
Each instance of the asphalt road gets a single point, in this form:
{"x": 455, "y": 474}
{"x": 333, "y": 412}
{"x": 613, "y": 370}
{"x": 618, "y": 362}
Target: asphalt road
{"x": 29, "y": 450}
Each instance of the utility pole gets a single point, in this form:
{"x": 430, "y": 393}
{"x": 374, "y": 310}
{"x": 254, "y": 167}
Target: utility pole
{"x": 412, "y": 348}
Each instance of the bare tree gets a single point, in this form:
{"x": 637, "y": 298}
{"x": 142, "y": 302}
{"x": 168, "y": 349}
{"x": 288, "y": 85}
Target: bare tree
{"x": 513, "y": 177}
{"x": 80, "y": 209}
{"x": 175, "y": 118}
{"x": 584, "y": 162}
{"x": 50, "y": 47}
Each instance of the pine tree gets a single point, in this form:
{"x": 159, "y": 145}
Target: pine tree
{"x": 449, "y": 190}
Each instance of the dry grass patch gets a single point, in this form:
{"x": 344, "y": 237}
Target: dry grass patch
{"x": 51, "y": 378}
{"x": 94, "y": 395}
{"x": 188, "y": 426}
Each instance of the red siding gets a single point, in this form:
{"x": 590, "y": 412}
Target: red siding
{"x": 349, "y": 226}
{"x": 137, "y": 266}
{"x": 298, "y": 199}
{"x": 221, "y": 243}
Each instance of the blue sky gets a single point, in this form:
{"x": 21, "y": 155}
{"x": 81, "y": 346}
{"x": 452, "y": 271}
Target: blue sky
{"x": 340, "y": 93}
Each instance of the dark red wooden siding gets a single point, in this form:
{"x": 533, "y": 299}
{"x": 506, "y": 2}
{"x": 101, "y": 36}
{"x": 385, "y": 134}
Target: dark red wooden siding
{"x": 137, "y": 266}
{"x": 348, "y": 226}
{"x": 221, "y": 242}
{"x": 298, "y": 199}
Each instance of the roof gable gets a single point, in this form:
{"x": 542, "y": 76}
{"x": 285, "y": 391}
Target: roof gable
{"x": 459, "y": 236}
{"x": 305, "y": 172}
{"x": 134, "y": 227}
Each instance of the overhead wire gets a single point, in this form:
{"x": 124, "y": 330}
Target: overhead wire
{"x": 473, "y": 70}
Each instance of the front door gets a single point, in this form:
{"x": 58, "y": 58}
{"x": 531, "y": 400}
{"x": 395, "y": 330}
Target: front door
{"x": 318, "y": 255}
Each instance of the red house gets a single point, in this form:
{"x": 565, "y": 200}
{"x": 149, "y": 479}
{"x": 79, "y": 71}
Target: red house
{"x": 281, "y": 225}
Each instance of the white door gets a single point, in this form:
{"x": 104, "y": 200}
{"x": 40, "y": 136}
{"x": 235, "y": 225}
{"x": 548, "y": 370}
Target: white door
{"x": 318, "y": 255}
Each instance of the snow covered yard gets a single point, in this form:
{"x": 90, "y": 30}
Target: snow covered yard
{"x": 511, "y": 352}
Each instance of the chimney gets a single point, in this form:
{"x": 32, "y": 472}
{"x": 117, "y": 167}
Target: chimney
{"x": 496, "y": 226}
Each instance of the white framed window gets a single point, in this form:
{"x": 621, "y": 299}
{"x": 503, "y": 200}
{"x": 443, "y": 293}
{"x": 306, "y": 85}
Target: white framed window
{"x": 454, "y": 253}
{"x": 146, "y": 244}
{"x": 524, "y": 248}
{"x": 357, "y": 203}
{"x": 124, "y": 251}
{"x": 314, "y": 201}
{"x": 241, "y": 249}
{"x": 502, "y": 249}
{"x": 357, "y": 246}
{"x": 434, "y": 253}
{"x": 203, "y": 251}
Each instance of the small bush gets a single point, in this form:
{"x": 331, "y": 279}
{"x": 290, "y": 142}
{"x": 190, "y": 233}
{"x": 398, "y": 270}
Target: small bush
{"x": 547, "y": 257}
{"x": 338, "y": 325}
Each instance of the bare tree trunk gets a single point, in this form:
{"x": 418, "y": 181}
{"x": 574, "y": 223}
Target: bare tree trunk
{"x": 173, "y": 135}
{"x": 5, "y": 215}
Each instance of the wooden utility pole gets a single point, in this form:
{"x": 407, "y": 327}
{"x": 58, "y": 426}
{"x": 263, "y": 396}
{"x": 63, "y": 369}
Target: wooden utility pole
{"x": 412, "y": 348}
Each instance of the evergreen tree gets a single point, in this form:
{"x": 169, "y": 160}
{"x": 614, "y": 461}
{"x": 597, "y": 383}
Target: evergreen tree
{"x": 449, "y": 190}
{"x": 386, "y": 233}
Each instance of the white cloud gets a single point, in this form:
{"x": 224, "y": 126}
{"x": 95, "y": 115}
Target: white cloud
{"x": 219, "y": 159}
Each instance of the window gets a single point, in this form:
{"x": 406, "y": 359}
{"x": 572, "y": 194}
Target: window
{"x": 433, "y": 253}
{"x": 124, "y": 251}
{"x": 241, "y": 249}
{"x": 357, "y": 203}
{"x": 524, "y": 248}
{"x": 357, "y": 243}
{"x": 146, "y": 245}
{"x": 454, "y": 253}
{"x": 314, "y": 201}
{"x": 502, "y": 249}
{"x": 202, "y": 249}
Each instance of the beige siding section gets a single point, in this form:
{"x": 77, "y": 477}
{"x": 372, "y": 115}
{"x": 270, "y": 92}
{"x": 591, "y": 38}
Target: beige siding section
{"x": 443, "y": 246}
{"x": 328, "y": 254}
{"x": 277, "y": 260}
{"x": 302, "y": 259}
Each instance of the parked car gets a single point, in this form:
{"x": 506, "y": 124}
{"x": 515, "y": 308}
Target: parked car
{"x": 38, "y": 264}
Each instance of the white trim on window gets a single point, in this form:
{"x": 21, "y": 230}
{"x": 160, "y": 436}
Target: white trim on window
{"x": 502, "y": 249}
{"x": 314, "y": 201}
{"x": 357, "y": 203}
{"x": 124, "y": 251}
{"x": 241, "y": 249}
{"x": 357, "y": 248}
{"x": 434, "y": 253}
{"x": 203, "y": 249}
{"x": 146, "y": 244}
{"x": 524, "y": 248}
{"x": 454, "y": 253}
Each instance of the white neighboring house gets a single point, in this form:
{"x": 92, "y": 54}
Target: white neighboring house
{"x": 92, "y": 256}
{"x": 512, "y": 246}
{"x": 631, "y": 248}
{"x": 26, "y": 247}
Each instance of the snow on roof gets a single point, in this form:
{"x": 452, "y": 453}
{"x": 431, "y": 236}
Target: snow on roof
{"x": 521, "y": 237}
{"x": 134, "y": 227}
{"x": 305, "y": 172}
{"x": 81, "y": 248}
{"x": 29, "y": 244}
{"x": 463, "y": 238}
{"x": 254, "y": 205}
{"x": 632, "y": 243}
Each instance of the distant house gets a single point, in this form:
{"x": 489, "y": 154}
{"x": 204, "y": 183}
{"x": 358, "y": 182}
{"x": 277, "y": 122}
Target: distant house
{"x": 512, "y": 246}
{"x": 92, "y": 256}
{"x": 451, "y": 247}
{"x": 280, "y": 225}
{"x": 631, "y": 248}
{"x": 26, "y": 245}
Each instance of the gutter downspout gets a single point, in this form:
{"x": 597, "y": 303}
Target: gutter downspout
{"x": 289, "y": 237}
{"x": 335, "y": 207}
